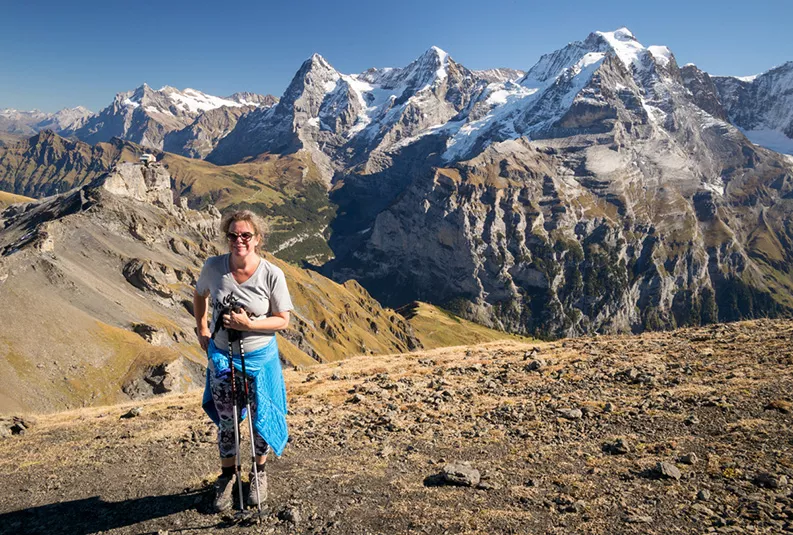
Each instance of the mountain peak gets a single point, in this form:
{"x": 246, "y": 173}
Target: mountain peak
{"x": 620, "y": 42}
{"x": 317, "y": 61}
{"x": 621, "y": 35}
{"x": 435, "y": 53}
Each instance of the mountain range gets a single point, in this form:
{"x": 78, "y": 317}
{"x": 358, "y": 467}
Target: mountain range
{"x": 603, "y": 189}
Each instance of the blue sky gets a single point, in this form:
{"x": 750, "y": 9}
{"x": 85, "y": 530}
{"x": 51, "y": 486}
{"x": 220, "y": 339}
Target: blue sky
{"x": 61, "y": 54}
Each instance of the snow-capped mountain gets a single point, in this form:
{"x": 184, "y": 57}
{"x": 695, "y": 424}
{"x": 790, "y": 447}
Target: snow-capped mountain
{"x": 601, "y": 191}
{"x": 146, "y": 115}
{"x": 566, "y": 91}
{"x": 345, "y": 119}
{"x": 761, "y": 106}
{"x": 28, "y": 123}
{"x": 604, "y": 189}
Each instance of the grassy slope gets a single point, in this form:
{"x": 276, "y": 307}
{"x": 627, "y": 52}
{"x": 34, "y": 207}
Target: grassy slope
{"x": 436, "y": 327}
{"x": 7, "y": 199}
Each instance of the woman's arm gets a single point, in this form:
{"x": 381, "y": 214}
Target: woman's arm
{"x": 240, "y": 321}
{"x": 200, "y": 307}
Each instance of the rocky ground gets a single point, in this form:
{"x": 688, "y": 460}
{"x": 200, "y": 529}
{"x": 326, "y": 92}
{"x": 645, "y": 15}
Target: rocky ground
{"x": 676, "y": 432}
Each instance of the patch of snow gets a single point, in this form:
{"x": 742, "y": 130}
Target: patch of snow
{"x": 747, "y": 78}
{"x": 443, "y": 56}
{"x": 130, "y": 103}
{"x": 718, "y": 190}
{"x": 661, "y": 54}
{"x": 330, "y": 86}
{"x": 196, "y": 101}
{"x": 656, "y": 115}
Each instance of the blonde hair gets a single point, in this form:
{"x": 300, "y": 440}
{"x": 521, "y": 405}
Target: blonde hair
{"x": 259, "y": 225}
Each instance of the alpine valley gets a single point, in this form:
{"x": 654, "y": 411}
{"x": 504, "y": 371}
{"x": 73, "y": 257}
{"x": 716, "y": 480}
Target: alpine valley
{"x": 604, "y": 189}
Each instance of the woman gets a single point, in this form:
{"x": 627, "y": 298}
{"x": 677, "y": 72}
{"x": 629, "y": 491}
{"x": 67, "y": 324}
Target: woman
{"x": 259, "y": 287}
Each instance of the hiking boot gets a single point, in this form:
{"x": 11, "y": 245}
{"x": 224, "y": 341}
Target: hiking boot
{"x": 253, "y": 498}
{"x": 224, "y": 488}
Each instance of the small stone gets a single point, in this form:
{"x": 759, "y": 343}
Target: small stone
{"x": 460, "y": 474}
{"x": 578, "y": 507}
{"x": 535, "y": 365}
{"x": 781, "y": 405}
{"x": 290, "y": 514}
{"x": 689, "y": 458}
{"x": 691, "y": 420}
{"x": 570, "y": 414}
{"x": 488, "y": 485}
{"x": 637, "y": 519}
{"x": 608, "y": 407}
{"x": 357, "y": 398}
{"x": 766, "y": 480}
{"x": 703, "y": 495}
{"x": 618, "y": 447}
{"x": 133, "y": 412}
{"x": 668, "y": 471}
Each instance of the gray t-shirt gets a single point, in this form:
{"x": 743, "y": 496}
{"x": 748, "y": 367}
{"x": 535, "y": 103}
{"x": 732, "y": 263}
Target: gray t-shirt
{"x": 262, "y": 295}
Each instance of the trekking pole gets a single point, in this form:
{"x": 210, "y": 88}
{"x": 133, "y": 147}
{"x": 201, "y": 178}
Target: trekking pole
{"x": 237, "y": 460}
{"x": 250, "y": 426}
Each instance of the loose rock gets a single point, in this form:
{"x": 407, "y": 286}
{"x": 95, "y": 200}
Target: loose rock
{"x": 535, "y": 364}
{"x": 618, "y": 447}
{"x": 290, "y": 514}
{"x": 637, "y": 519}
{"x": 689, "y": 458}
{"x": 460, "y": 474}
{"x": 133, "y": 412}
{"x": 769, "y": 481}
{"x": 570, "y": 414}
{"x": 667, "y": 471}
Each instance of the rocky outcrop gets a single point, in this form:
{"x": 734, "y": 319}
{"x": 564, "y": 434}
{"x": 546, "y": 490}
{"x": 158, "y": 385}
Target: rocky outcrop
{"x": 146, "y": 183}
{"x": 703, "y": 91}
{"x": 177, "y": 376}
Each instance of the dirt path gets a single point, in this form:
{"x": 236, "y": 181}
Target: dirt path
{"x": 566, "y": 438}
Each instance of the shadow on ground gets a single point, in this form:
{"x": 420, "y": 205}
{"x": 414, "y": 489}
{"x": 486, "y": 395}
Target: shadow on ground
{"x": 92, "y": 515}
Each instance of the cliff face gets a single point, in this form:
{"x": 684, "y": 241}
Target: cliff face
{"x": 632, "y": 208}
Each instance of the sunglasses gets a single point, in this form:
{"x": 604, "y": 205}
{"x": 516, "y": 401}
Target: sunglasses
{"x": 246, "y": 236}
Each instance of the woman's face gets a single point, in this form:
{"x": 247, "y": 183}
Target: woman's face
{"x": 238, "y": 246}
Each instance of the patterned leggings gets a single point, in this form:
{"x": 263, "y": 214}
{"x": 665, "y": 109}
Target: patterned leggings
{"x": 221, "y": 394}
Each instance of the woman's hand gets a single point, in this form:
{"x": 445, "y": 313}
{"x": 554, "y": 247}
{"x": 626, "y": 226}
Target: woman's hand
{"x": 203, "y": 338}
{"x": 238, "y": 321}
